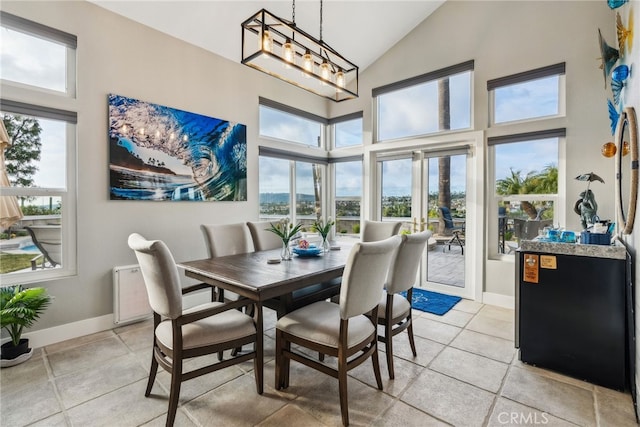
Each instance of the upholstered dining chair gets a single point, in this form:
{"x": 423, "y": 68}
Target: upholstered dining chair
{"x": 180, "y": 333}
{"x": 265, "y": 240}
{"x": 372, "y": 231}
{"x": 347, "y": 330}
{"x": 394, "y": 311}
{"x": 227, "y": 239}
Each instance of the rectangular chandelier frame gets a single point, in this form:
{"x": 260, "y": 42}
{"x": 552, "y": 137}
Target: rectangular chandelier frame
{"x": 279, "y": 48}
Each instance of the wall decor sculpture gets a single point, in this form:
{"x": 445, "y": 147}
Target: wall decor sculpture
{"x": 161, "y": 153}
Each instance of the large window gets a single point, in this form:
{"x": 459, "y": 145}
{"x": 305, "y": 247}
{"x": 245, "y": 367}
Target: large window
{"x": 38, "y": 223}
{"x": 434, "y": 102}
{"x": 525, "y": 186}
{"x": 348, "y": 197}
{"x": 532, "y": 94}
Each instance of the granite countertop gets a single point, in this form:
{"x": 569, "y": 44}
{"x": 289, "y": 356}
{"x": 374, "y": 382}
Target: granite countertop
{"x": 615, "y": 251}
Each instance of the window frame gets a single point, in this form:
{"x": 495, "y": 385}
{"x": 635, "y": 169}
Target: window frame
{"x": 432, "y": 76}
{"x": 296, "y": 113}
{"x": 495, "y": 199}
{"x": 558, "y": 70}
{"x": 43, "y": 103}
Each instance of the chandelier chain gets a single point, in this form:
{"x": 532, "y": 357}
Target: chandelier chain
{"x": 320, "y": 20}
{"x": 293, "y": 12}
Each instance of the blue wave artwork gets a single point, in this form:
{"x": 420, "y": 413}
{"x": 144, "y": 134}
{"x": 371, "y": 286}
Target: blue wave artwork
{"x": 161, "y": 153}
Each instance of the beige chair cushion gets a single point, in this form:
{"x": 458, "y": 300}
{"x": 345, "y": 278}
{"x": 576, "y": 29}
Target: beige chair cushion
{"x": 227, "y": 239}
{"x": 263, "y": 239}
{"x": 364, "y": 274}
{"x": 374, "y": 231}
{"x": 404, "y": 268}
{"x": 400, "y": 307}
{"x": 320, "y": 323}
{"x": 160, "y": 275}
{"x": 226, "y": 326}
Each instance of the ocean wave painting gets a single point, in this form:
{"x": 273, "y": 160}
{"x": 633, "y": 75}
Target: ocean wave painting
{"x": 160, "y": 153}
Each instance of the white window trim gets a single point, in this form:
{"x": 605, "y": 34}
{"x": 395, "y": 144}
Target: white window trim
{"x": 43, "y": 99}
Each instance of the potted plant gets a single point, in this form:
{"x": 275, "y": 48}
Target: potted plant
{"x": 285, "y": 230}
{"x": 19, "y": 309}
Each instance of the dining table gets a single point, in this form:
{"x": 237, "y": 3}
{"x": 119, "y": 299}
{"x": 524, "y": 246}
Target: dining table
{"x": 261, "y": 275}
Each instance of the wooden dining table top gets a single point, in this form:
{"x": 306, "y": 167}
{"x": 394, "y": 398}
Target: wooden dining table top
{"x": 251, "y": 276}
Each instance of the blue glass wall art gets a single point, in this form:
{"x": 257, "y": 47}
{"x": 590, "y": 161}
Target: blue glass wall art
{"x": 625, "y": 34}
{"x": 161, "y": 153}
{"x": 609, "y": 57}
{"x": 614, "y": 4}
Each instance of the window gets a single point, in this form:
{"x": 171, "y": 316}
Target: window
{"x": 278, "y": 192}
{"x": 347, "y": 130}
{"x": 530, "y": 95}
{"x": 40, "y": 162}
{"x": 348, "y": 197}
{"x": 289, "y": 124}
{"x": 35, "y": 55}
{"x": 275, "y": 194}
{"x": 434, "y": 102}
{"x": 525, "y": 186}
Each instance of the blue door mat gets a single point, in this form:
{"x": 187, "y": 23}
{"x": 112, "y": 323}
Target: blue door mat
{"x": 433, "y": 302}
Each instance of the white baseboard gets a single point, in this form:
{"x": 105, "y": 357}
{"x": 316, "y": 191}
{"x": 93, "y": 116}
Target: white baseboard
{"x": 499, "y": 300}
{"x": 44, "y": 337}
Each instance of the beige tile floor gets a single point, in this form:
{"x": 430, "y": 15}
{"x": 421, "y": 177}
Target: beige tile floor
{"x": 466, "y": 374}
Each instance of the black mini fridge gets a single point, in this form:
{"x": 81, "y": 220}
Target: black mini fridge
{"x": 574, "y": 315}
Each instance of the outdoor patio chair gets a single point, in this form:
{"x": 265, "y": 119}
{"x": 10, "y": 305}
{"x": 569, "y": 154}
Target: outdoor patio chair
{"x": 394, "y": 310}
{"x": 347, "y": 331}
{"x": 48, "y": 240}
{"x": 450, "y": 227}
{"x": 181, "y": 334}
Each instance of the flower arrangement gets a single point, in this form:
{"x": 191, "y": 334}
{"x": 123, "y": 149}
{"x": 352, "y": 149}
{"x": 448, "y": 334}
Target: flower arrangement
{"x": 285, "y": 229}
{"x": 323, "y": 227}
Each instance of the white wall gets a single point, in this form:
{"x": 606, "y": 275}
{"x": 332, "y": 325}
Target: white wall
{"x": 505, "y": 38}
{"x": 116, "y": 55}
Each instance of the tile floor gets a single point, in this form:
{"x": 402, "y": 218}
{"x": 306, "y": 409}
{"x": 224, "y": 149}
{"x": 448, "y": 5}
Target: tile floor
{"x": 466, "y": 374}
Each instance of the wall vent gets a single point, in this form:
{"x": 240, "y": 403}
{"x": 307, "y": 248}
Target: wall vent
{"x": 130, "y": 300}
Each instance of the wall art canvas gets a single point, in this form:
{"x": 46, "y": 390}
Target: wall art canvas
{"x": 161, "y": 153}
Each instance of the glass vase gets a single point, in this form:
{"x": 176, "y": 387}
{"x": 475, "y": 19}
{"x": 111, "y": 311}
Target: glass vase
{"x": 285, "y": 253}
{"x": 326, "y": 247}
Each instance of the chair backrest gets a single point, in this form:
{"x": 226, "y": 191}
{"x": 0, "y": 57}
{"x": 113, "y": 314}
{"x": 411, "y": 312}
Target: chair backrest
{"x": 373, "y": 231}
{"x": 263, "y": 239}
{"x": 404, "y": 268}
{"x": 446, "y": 217}
{"x": 364, "y": 276}
{"x": 48, "y": 239}
{"x": 160, "y": 275}
{"x": 227, "y": 239}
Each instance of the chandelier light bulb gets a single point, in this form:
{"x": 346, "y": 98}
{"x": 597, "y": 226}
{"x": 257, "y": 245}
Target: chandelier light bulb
{"x": 340, "y": 79}
{"x": 325, "y": 72}
{"x": 287, "y": 51}
{"x": 307, "y": 62}
{"x": 267, "y": 41}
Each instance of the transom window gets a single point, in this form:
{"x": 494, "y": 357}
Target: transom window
{"x": 529, "y": 95}
{"x": 285, "y": 123}
{"x": 439, "y": 101}
{"x": 347, "y": 130}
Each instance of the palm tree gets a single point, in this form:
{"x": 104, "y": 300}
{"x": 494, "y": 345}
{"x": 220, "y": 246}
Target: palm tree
{"x": 545, "y": 182}
{"x": 444, "y": 163}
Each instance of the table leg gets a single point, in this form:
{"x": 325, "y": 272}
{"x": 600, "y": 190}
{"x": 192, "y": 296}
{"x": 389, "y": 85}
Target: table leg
{"x": 259, "y": 349}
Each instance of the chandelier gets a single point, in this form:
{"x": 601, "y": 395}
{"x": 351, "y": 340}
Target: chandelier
{"x": 279, "y": 48}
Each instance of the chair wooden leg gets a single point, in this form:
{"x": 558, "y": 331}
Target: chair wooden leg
{"x": 342, "y": 386}
{"x": 376, "y": 368}
{"x": 412, "y": 342}
{"x": 388, "y": 344}
{"x": 279, "y": 357}
{"x": 174, "y": 394}
{"x": 152, "y": 373}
